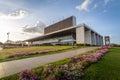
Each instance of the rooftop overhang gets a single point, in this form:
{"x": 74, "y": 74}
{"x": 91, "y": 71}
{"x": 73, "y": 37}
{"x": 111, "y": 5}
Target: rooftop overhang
{"x": 63, "y": 32}
{"x": 88, "y": 28}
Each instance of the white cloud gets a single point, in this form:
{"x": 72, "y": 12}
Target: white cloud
{"x": 104, "y": 11}
{"x": 106, "y": 1}
{"x": 38, "y": 28}
{"x": 84, "y": 5}
{"x": 95, "y": 6}
{"x": 7, "y": 26}
{"x": 15, "y": 15}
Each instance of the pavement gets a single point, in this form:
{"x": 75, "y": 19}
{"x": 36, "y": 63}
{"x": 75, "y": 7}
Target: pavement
{"x": 12, "y": 67}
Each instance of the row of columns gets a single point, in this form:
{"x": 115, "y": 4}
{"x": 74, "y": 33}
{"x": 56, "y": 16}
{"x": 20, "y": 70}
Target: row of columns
{"x": 96, "y": 39}
{"x": 87, "y": 36}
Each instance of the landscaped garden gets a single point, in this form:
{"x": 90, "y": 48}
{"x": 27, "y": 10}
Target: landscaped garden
{"x": 108, "y": 68}
{"x": 19, "y": 53}
{"x": 73, "y": 68}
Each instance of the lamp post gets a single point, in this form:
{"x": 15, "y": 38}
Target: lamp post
{"x": 8, "y": 36}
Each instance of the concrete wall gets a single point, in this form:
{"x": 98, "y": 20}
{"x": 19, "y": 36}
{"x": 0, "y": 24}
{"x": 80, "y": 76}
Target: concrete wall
{"x": 66, "y": 23}
{"x": 80, "y": 35}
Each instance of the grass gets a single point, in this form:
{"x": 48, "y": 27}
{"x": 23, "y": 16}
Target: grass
{"x": 60, "y": 62}
{"x": 108, "y": 68}
{"x": 29, "y": 49}
{"x": 6, "y": 52}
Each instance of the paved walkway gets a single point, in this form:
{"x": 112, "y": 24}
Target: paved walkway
{"x": 12, "y": 67}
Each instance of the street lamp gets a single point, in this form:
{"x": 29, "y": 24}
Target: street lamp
{"x": 8, "y": 36}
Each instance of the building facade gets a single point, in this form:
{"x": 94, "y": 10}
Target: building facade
{"x": 107, "y": 40}
{"x": 66, "y": 32}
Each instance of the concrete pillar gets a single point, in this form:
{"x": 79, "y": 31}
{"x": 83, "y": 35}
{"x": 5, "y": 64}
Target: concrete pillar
{"x": 98, "y": 40}
{"x": 80, "y": 35}
{"x": 22, "y": 44}
{"x": 93, "y": 36}
{"x": 95, "y": 39}
{"x": 101, "y": 40}
{"x": 29, "y": 44}
{"x": 88, "y": 37}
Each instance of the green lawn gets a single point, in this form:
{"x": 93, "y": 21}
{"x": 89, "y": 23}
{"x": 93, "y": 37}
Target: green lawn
{"x": 6, "y": 52}
{"x": 108, "y": 68}
{"x": 60, "y": 62}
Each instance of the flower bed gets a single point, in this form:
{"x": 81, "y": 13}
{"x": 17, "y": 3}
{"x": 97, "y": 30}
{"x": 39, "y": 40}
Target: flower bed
{"x": 72, "y": 70}
{"x": 29, "y": 53}
{"x": 34, "y": 53}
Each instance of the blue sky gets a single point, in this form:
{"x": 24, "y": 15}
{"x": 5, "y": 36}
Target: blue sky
{"x": 20, "y": 16}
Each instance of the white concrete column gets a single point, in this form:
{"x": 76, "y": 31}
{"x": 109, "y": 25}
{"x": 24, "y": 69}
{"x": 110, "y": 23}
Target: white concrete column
{"x": 80, "y": 35}
{"x": 101, "y": 40}
{"x": 92, "y": 38}
{"x": 88, "y": 37}
{"x": 29, "y": 44}
{"x": 95, "y": 39}
{"x": 98, "y": 40}
{"x": 22, "y": 44}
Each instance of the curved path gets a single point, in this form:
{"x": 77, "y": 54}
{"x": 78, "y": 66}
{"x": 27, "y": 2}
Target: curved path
{"x": 12, "y": 67}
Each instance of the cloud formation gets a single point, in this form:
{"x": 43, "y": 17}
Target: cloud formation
{"x": 15, "y": 15}
{"x": 106, "y": 1}
{"x": 95, "y": 6}
{"x": 84, "y": 5}
{"x": 38, "y": 28}
{"x": 104, "y": 11}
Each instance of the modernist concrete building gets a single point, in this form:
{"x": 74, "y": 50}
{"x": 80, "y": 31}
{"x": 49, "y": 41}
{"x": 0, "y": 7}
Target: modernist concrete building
{"x": 66, "y": 32}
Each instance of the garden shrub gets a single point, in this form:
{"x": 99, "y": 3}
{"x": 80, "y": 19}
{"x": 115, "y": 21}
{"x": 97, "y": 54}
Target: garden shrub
{"x": 72, "y": 70}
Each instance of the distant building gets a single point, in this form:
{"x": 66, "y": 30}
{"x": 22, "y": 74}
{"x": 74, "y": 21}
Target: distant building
{"x": 9, "y": 42}
{"x": 107, "y": 40}
{"x": 14, "y": 44}
{"x": 66, "y": 32}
